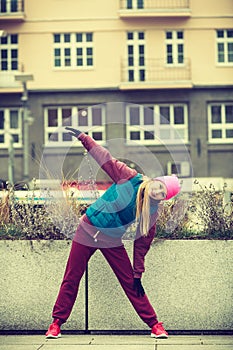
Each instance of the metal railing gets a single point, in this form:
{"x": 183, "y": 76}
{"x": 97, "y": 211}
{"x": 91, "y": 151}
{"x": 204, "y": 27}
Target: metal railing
{"x": 154, "y": 4}
{"x": 155, "y": 71}
{"x": 11, "y": 7}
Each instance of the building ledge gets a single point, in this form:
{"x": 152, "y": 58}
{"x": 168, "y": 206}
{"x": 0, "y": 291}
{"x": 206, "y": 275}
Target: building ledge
{"x": 12, "y": 17}
{"x": 156, "y": 85}
{"x": 127, "y": 14}
{"x": 11, "y": 90}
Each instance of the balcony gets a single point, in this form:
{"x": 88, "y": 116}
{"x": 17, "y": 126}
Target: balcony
{"x": 155, "y": 74}
{"x": 12, "y": 10}
{"x": 7, "y": 79}
{"x": 8, "y": 83}
{"x": 154, "y": 8}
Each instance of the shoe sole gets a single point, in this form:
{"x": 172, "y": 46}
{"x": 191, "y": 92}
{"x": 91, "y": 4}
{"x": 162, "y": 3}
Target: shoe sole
{"x": 161, "y": 336}
{"x": 51, "y": 336}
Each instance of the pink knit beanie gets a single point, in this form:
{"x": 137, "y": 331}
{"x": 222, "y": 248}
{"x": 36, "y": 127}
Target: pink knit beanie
{"x": 172, "y": 184}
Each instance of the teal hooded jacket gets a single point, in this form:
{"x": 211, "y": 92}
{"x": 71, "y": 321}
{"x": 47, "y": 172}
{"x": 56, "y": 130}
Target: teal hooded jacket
{"x": 115, "y": 210}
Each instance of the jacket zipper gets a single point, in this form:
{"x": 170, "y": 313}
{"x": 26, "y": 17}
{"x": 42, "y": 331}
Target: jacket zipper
{"x": 95, "y": 236}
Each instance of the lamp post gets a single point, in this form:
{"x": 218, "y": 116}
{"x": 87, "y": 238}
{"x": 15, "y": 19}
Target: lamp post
{"x": 11, "y": 160}
{"x": 3, "y": 34}
{"x": 24, "y": 78}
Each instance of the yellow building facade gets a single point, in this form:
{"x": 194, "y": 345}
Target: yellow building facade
{"x": 175, "y": 57}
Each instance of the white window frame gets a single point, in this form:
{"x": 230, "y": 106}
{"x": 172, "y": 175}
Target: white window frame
{"x": 174, "y": 42}
{"x": 224, "y": 41}
{"x": 7, "y": 45}
{"x": 73, "y": 45}
{"x": 223, "y": 126}
{"x": 72, "y": 121}
{"x": 157, "y": 129}
{"x": 8, "y": 131}
{"x": 136, "y": 68}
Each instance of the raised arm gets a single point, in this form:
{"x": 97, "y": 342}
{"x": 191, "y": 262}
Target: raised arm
{"x": 118, "y": 171}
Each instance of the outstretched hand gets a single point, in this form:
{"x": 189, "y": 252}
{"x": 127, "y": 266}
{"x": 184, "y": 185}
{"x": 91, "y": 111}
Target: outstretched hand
{"x": 73, "y": 132}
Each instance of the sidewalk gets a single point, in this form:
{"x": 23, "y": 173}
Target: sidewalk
{"x": 115, "y": 342}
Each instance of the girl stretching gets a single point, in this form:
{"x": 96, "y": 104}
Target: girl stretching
{"x": 132, "y": 196}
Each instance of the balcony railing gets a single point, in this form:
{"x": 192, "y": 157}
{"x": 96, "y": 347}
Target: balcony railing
{"x": 155, "y": 73}
{"x": 12, "y": 9}
{"x": 154, "y": 8}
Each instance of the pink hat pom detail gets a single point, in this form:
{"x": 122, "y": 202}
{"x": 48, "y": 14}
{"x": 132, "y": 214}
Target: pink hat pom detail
{"x": 172, "y": 184}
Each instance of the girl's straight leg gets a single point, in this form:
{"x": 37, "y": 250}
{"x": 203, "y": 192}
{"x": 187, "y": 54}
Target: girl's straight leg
{"x": 75, "y": 268}
{"x": 119, "y": 261}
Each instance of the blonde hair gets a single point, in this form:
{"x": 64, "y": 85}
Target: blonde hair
{"x": 143, "y": 206}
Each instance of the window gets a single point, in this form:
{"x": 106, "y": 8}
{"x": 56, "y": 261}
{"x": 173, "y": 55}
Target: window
{"x": 135, "y": 4}
{"x": 10, "y": 128}
{"x": 73, "y": 50}
{"x": 225, "y": 46}
{"x": 90, "y": 120}
{"x": 220, "y": 117}
{"x": 157, "y": 123}
{"x": 136, "y": 56}
{"x": 8, "y": 6}
{"x": 175, "y": 47}
{"x": 9, "y": 53}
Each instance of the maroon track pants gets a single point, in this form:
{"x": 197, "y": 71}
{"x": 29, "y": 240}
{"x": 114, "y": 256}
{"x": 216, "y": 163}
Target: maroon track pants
{"x": 119, "y": 261}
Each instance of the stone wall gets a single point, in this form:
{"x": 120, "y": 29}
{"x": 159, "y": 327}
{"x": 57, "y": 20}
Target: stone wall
{"x": 189, "y": 283}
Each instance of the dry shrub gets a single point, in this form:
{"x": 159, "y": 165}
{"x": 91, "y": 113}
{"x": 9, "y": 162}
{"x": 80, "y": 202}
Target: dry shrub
{"x": 202, "y": 214}
{"x": 214, "y": 211}
{"x": 5, "y": 208}
{"x": 29, "y": 220}
{"x": 173, "y": 218}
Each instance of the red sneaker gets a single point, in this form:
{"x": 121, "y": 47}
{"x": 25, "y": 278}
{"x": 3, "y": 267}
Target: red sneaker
{"x": 53, "y": 331}
{"x": 158, "y": 331}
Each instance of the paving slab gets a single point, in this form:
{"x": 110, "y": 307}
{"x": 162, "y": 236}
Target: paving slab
{"x": 123, "y": 340}
{"x": 194, "y": 347}
{"x": 115, "y": 342}
{"x": 19, "y": 347}
{"x": 143, "y": 339}
{"x": 100, "y": 347}
{"x": 21, "y": 340}
{"x": 209, "y": 340}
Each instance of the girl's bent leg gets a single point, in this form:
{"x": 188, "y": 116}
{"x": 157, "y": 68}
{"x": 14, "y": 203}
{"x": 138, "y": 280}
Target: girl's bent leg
{"x": 75, "y": 268}
{"x": 118, "y": 259}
